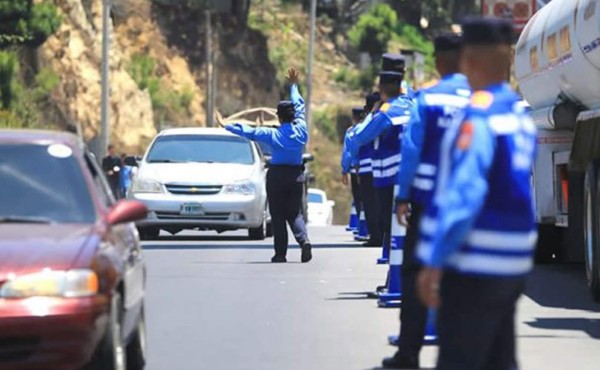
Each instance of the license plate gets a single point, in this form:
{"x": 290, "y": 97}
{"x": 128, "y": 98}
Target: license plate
{"x": 191, "y": 209}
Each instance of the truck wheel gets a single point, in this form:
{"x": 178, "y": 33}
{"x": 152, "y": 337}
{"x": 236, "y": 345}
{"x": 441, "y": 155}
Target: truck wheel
{"x": 590, "y": 230}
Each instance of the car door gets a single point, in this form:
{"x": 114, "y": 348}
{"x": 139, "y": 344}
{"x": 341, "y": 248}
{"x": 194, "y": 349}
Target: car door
{"x": 127, "y": 243}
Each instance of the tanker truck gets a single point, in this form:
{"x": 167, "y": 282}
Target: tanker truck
{"x": 557, "y": 66}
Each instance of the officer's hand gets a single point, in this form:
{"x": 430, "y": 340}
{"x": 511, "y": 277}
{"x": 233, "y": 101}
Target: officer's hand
{"x": 345, "y": 179}
{"x": 402, "y": 213}
{"x": 428, "y": 286}
{"x": 293, "y": 76}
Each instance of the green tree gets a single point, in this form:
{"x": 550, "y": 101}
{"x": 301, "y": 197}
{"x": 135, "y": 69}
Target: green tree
{"x": 374, "y": 30}
{"x": 23, "y": 22}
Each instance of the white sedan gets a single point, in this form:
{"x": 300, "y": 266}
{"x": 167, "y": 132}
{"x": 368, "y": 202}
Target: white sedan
{"x": 320, "y": 209}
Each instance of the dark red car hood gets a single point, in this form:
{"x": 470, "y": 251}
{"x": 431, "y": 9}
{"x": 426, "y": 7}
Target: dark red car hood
{"x": 32, "y": 247}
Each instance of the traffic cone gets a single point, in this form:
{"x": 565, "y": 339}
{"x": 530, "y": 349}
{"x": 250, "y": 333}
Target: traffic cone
{"x": 430, "y": 331}
{"x": 393, "y": 295}
{"x": 353, "y": 221}
{"x": 363, "y": 231}
{"x": 385, "y": 253}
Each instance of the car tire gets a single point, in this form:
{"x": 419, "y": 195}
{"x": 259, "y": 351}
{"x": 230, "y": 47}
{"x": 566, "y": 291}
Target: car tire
{"x": 111, "y": 353}
{"x": 137, "y": 346}
{"x": 258, "y": 233}
{"x": 149, "y": 233}
{"x": 591, "y": 231}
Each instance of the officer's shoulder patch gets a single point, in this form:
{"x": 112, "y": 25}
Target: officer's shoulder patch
{"x": 482, "y": 99}
{"x": 465, "y": 135}
{"x": 385, "y": 107}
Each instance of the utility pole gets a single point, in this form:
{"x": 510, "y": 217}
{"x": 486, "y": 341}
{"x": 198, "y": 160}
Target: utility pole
{"x": 209, "y": 73}
{"x": 311, "y": 53}
{"x": 105, "y": 94}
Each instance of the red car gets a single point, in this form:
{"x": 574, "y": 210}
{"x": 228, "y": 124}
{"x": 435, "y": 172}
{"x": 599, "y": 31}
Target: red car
{"x": 72, "y": 276}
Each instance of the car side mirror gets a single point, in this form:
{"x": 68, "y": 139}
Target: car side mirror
{"x": 331, "y": 203}
{"x": 132, "y": 161}
{"x": 307, "y": 157}
{"x": 267, "y": 160}
{"x": 126, "y": 211}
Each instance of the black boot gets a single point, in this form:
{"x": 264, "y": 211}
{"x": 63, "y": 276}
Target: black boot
{"x": 278, "y": 259}
{"x": 400, "y": 361}
{"x": 306, "y": 253}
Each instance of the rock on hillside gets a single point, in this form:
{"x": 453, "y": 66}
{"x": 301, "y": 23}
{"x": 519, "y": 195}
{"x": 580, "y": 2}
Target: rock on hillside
{"x": 74, "y": 52}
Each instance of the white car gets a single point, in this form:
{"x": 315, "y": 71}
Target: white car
{"x": 201, "y": 178}
{"x": 320, "y": 209}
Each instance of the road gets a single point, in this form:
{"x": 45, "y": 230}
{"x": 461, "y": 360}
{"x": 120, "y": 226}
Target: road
{"x": 215, "y": 302}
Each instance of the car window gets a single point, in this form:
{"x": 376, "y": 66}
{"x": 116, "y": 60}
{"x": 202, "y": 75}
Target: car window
{"x": 45, "y": 182}
{"x": 201, "y": 148}
{"x": 100, "y": 183}
{"x": 315, "y": 198}
{"x": 265, "y": 148}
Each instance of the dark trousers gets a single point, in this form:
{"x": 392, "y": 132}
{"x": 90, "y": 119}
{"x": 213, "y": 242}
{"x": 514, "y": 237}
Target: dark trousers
{"x": 284, "y": 193}
{"x": 413, "y": 315}
{"x": 476, "y": 325}
{"x": 385, "y": 197}
{"x": 370, "y": 204}
{"x": 355, "y": 186}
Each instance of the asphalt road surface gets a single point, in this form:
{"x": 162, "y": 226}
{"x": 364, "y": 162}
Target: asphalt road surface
{"x": 215, "y": 302}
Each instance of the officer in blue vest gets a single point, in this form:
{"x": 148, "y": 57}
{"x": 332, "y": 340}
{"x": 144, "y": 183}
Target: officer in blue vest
{"x": 350, "y": 165}
{"x": 285, "y": 177}
{"x": 384, "y": 127}
{"x": 478, "y": 236}
{"x": 438, "y": 107}
{"x": 364, "y": 157}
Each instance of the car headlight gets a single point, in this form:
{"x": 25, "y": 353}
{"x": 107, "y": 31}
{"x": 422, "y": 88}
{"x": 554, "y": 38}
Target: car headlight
{"x": 245, "y": 188}
{"x": 143, "y": 185}
{"x": 49, "y": 283}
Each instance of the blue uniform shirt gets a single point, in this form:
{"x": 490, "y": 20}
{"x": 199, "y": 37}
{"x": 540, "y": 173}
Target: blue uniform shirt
{"x": 481, "y": 220}
{"x": 383, "y": 128}
{"x": 437, "y": 108}
{"x": 287, "y": 141}
{"x": 348, "y": 162}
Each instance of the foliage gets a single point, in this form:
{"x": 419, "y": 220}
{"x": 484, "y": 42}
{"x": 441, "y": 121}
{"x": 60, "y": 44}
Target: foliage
{"x": 374, "y": 29}
{"x": 165, "y": 100}
{"x": 28, "y": 23}
{"x": 22, "y": 104}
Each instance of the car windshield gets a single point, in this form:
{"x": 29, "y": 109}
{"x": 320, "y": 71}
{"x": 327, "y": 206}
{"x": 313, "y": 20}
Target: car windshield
{"x": 315, "y": 198}
{"x": 201, "y": 148}
{"x": 42, "y": 184}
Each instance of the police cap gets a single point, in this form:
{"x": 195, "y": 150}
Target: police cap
{"x": 386, "y": 77}
{"x": 357, "y": 112}
{"x": 285, "y": 108}
{"x": 393, "y": 62}
{"x": 486, "y": 31}
{"x": 370, "y": 101}
{"x": 447, "y": 42}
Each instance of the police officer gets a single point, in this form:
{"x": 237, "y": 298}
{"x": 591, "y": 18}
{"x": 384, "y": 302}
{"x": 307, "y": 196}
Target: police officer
{"x": 349, "y": 165}
{"x": 384, "y": 128}
{"x": 285, "y": 177}
{"x": 437, "y": 107}
{"x": 477, "y": 239}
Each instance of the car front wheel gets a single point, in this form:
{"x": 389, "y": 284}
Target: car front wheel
{"x": 110, "y": 354}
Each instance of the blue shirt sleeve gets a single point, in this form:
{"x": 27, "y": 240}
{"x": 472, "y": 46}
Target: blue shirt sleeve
{"x": 262, "y": 134}
{"x": 369, "y": 131}
{"x": 347, "y": 159}
{"x": 300, "y": 128}
{"x": 412, "y": 143}
{"x": 462, "y": 196}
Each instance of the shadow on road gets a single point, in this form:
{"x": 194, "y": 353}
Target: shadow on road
{"x": 589, "y": 326}
{"x": 561, "y": 286}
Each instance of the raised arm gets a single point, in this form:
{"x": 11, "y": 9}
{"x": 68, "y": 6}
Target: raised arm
{"x": 297, "y": 100}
